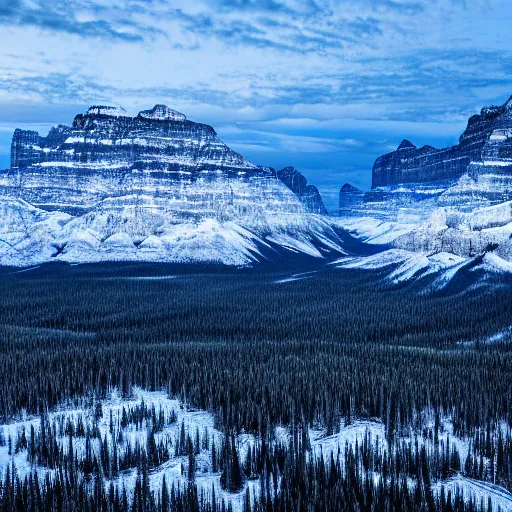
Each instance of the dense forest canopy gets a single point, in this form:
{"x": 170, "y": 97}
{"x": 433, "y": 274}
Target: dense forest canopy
{"x": 259, "y": 352}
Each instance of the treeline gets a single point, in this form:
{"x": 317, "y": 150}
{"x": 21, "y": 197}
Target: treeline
{"x": 247, "y": 384}
{"x": 253, "y": 351}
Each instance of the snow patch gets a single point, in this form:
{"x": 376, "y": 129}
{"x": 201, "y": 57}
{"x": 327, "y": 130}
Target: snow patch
{"x": 107, "y": 110}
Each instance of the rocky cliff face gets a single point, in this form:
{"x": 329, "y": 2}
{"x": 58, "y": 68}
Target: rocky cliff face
{"x": 106, "y": 153}
{"x": 155, "y": 186}
{"x": 409, "y": 164}
{"x": 488, "y": 179}
{"x": 454, "y": 200}
{"x": 477, "y": 172}
{"x": 308, "y": 194}
{"x": 467, "y": 234}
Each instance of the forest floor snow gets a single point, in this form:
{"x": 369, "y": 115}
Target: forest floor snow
{"x": 201, "y": 423}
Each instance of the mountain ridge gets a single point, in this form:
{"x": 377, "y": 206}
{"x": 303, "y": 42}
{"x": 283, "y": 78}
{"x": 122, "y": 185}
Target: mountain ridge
{"x": 454, "y": 199}
{"x": 409, "y": 164}
{"x": 308, "y": 194}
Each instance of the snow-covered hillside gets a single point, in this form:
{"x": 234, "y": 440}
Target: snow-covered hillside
{"x": 140, "y": 229}
{"x": 442, "y": 268}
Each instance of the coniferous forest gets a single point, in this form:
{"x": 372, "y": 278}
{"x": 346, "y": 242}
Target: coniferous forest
{"x": 247, "y": 387}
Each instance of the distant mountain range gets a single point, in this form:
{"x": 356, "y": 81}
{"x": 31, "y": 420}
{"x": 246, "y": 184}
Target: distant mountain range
{"x": 159, "y": 187}
{"x": 475, "y": 172}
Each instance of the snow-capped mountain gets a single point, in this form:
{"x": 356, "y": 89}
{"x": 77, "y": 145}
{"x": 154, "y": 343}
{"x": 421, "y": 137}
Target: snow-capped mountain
{"x": 409, "y": 164}
{"x": 151, "y": 187}
{"x": 475, "y": 172}
{"x": 454, "y": 200}
{"x": 106, "y": 153}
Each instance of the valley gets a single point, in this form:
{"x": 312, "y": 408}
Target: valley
{"x": 184, "y": 330}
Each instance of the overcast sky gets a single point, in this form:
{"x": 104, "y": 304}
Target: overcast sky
{"x": 323, "y": 85}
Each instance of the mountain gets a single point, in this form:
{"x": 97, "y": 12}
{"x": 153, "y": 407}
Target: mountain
{"x": 156, "y": 186}
{"x": 409, "y": 164}
{"x": 350, "y": 197}
{"x": 308, "y": 195}
{"x": 475, "y": 172}
{"x": 454, "y": 200}
{"x": 106, "y": 153}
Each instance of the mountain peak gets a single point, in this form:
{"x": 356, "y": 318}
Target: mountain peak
{"x": 162, "y": 113}
{"x": 406, "y": 144}
{"x": 485, "y": 140}
{"x": 508, "y": 105}
{"x": 151, "y": 188}
{"x": 308, "y": 194}
{"x": 347, "y": 188}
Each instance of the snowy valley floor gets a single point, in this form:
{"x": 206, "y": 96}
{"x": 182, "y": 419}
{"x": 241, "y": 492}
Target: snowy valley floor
{"x": 105, "y": 427}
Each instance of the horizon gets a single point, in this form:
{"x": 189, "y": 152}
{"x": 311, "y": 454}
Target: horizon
{"x": 326, "y": 87}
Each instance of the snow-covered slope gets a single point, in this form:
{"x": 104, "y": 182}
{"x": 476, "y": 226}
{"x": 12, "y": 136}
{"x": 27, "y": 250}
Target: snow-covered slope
{"x": 455, "y": 200}
{"x": 127, "y": 230}
{"x": 153, "y": 187}
{"x": 405, "y": 265}
{"x": 120, "y": 430}
{"x": 464, "y": 233}
{"x": 435, "y": 270}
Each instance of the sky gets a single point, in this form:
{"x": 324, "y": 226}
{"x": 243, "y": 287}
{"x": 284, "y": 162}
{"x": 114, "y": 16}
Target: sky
{"x": 324, "y": 85}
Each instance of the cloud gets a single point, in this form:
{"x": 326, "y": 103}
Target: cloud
{"x": 291, "y": 144}
{"x": 302, "y": 27}
{"x": 71, "y": 18}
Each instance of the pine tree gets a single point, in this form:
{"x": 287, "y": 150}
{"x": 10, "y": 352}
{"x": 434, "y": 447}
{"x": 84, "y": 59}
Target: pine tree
{"x": 165, "y": 496}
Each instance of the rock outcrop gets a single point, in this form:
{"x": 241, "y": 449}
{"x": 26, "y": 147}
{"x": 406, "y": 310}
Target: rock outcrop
{"x": 308, "y": 194}
{"x": 106, "y": 153}
{"x": 477, "y": 172}
{"x": 487, "y": 229}
{"x": 454, "y": 200}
